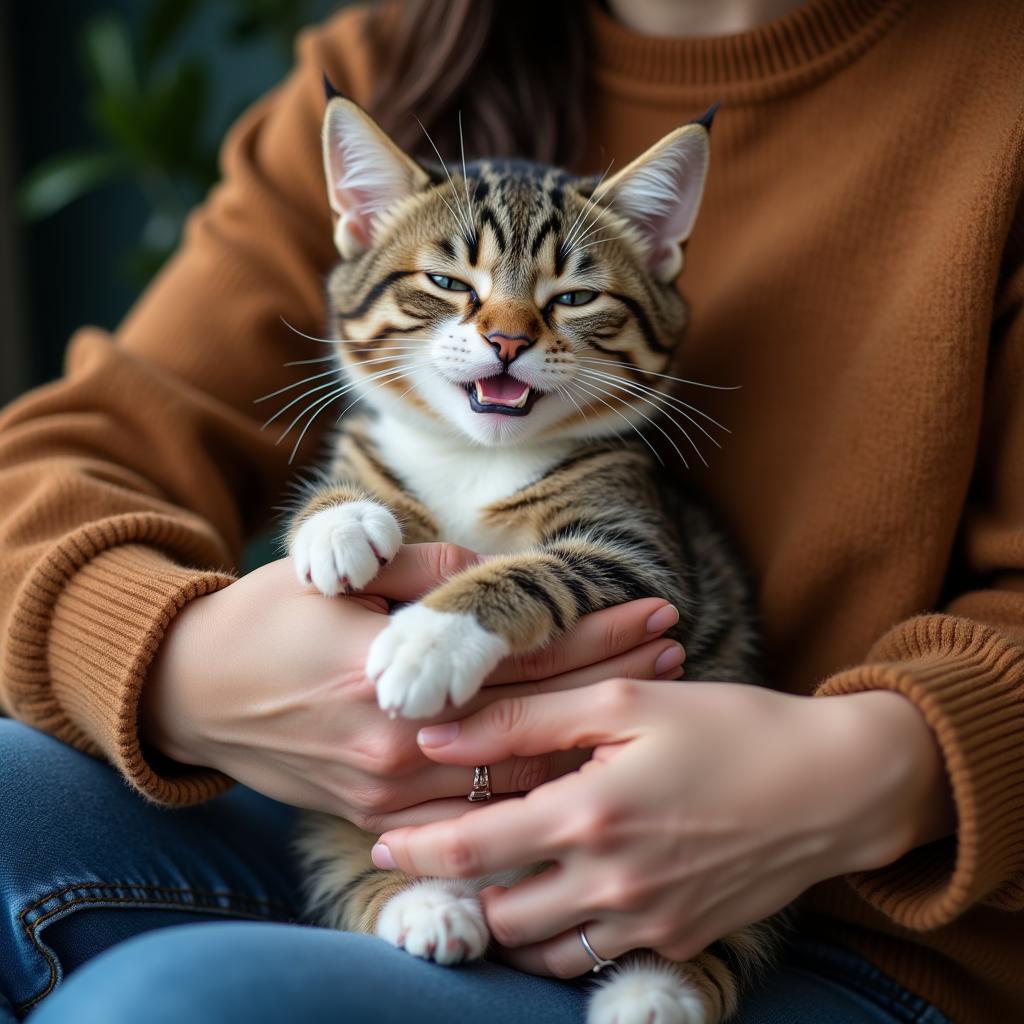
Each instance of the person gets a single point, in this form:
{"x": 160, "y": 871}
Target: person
{"x": 856, "y": 268}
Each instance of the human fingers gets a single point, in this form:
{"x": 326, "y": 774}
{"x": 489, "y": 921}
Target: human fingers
{"x": 419, "y": 568}
{"x": 595, "y": 638}
{"x": 510, "y": 834}
{"x": 565, "y": 956}
{"x": 515, "y": 775}
{"x": 538, "y": 724}
{"x": 542, "y": 906}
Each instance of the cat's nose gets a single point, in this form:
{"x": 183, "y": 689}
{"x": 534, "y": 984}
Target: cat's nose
{"x": 508, "y": 346}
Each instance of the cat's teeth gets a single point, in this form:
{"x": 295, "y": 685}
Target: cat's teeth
{"x": 519, "y": 403}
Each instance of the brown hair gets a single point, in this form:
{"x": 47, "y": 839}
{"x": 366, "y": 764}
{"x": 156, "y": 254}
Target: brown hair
{"x": 516, "y": 70}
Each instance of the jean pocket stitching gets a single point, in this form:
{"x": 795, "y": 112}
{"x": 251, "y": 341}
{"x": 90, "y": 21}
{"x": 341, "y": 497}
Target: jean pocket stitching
{"x": 208, "y": 901}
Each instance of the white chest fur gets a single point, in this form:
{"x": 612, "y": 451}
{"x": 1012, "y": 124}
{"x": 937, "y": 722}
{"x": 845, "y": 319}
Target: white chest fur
{"x": 455, "y": 480}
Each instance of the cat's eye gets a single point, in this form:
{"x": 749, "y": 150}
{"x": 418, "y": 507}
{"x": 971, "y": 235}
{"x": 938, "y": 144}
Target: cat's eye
{"x": 580, "y": 298}
{"x": 451, "y": 284}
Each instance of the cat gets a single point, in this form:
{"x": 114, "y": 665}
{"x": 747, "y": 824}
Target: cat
{"x": 507, "y": 330}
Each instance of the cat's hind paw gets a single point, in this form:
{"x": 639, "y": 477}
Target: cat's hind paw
{"x": 647, "y": 996}
{"x": 424, "y": 657}
{"x": 436, "y": 920}
{"x": 341, "y": 548}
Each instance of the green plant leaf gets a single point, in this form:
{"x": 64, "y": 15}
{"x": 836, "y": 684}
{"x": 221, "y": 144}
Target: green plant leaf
{"x": 109, "y": 57}
{"x": 164, "y": 21}
{"x": 174, "y": 110}
{"x": 57, "y": 182}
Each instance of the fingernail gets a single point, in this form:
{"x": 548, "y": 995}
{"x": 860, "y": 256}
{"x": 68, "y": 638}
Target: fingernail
{"x": 670, "y": 658}
{"x": 662, "y": 619}
{"x": 437, "y": 735}
{"x": 381, "y": 857}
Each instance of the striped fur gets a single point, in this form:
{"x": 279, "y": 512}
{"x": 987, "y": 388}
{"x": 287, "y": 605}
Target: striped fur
{"x": 580, "y": 516}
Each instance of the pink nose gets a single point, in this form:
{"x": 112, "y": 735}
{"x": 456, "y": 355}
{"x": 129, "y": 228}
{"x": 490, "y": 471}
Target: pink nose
{"x": 508, "y": 347}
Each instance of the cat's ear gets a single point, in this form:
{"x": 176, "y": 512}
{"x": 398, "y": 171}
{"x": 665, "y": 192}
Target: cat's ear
{"x": 366, "y": 174}
{"x": 659, "y": 193}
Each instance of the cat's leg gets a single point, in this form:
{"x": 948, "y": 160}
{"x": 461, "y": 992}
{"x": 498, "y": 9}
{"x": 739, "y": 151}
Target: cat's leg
{"x": 443, "y": 647}
{"x": 353, "y": 521}
{"x": 341, "y": 537}
{"x": 436, "y": 919}
{"x": 645, "y": 989}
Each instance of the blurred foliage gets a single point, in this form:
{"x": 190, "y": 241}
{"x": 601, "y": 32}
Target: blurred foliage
{"x": 148, "y": 105}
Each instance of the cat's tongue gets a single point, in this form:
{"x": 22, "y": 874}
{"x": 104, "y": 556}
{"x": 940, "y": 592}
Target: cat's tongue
{"x": 502, "y": 389}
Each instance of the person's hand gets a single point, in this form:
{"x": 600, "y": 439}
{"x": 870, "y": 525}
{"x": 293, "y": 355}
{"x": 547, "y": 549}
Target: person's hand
{"x": 264, "y": 681}
{"x": 706, "y": 807}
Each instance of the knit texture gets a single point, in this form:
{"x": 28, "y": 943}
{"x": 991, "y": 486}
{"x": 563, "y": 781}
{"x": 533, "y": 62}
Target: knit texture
{"x": 857, "y": 267}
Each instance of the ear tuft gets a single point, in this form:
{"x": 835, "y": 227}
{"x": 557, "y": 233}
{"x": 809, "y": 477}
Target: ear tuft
{"x": 330, "y": 89}
{"x": 708, "y": 116}
{"x": 659, "y": 194}
{"x": 367, "y": 174}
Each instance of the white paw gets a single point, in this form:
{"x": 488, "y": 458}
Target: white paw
{"x": 425, "y": 657}
{"x": 341, "y": 548}
{"x": 435, "y": 920}
{"x": 646, "y": 996}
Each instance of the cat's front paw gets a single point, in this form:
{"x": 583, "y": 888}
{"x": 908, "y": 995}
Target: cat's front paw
{"x": 436, "y": 920}
{"x": 341, "y": 548}
{"x": 648, "y": 996}
{"x": 424, "y": 657}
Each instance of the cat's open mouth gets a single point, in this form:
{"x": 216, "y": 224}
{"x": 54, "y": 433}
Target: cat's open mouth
{"x": 503, "y": 394}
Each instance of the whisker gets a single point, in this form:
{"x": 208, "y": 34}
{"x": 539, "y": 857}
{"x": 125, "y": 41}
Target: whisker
{"x": 298, "y": 441}
{"x": 322, "y": 402}
{"x": 295, "y": 401}
{"x": 678, "y": 403}
{"x": 652, "y": 401}
{"x": 599, "y": 241}
{"x": 591, "y": 200}
{"x": 383, "y": 383}
{"x": 666, "y": 376}
{"x": 465, "y": 177}
{"x": 657, "y": 426}
{"x": 309, "y": 337}
{"x": 333, "y": 372}
{"x": 565, "y": 394}
{"x": 306, "y": 362}
{"x": 306, "y": 394}
{"x": 466, "y": 225}
{"x": 580, "y": 387}
{"x": 594, "y": 225}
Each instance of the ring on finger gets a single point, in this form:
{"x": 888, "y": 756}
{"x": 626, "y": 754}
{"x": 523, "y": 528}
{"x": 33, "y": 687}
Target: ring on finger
{"x": 599, "y": 962}
{"x": 481, "y": 784}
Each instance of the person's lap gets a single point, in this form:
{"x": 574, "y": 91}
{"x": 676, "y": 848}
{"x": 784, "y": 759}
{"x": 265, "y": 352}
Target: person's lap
{"x": 140, "y": 906}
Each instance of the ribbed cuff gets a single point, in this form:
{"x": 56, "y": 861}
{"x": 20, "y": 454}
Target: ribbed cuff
{"x": 87, "y": 626}
{"x": 968, "y": 683}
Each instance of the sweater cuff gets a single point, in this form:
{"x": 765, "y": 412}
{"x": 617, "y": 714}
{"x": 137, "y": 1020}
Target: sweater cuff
{"x": 90, "y": 621}
{"x": 968, "y": 683}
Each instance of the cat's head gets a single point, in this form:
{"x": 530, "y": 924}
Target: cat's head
{"x": 508, "y": 301}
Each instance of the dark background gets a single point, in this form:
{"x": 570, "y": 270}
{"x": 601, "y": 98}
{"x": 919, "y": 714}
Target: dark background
{"x": 111, "y": 112}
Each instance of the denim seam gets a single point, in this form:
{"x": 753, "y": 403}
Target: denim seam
{"x": 260, "y": 910}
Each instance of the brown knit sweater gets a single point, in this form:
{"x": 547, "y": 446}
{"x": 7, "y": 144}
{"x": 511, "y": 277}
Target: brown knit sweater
{"x": 857, "y": 268}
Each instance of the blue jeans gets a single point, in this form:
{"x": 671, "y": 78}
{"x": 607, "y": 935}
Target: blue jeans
{"x": 114, "y": 911}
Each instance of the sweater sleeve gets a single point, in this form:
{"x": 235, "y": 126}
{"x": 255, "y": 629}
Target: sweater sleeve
{"x": 964, "y": 670}
{"x": 129, "y": 487}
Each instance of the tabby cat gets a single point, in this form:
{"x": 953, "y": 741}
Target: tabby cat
{"x": 501, "y": 328}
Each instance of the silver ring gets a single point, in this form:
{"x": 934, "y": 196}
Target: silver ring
{"x": 481, "y": 783}
{"x": 599, "y": 964}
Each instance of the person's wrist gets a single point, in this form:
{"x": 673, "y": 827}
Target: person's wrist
{"x": 169, "y": 718}
{"x": 890, "y": 784}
